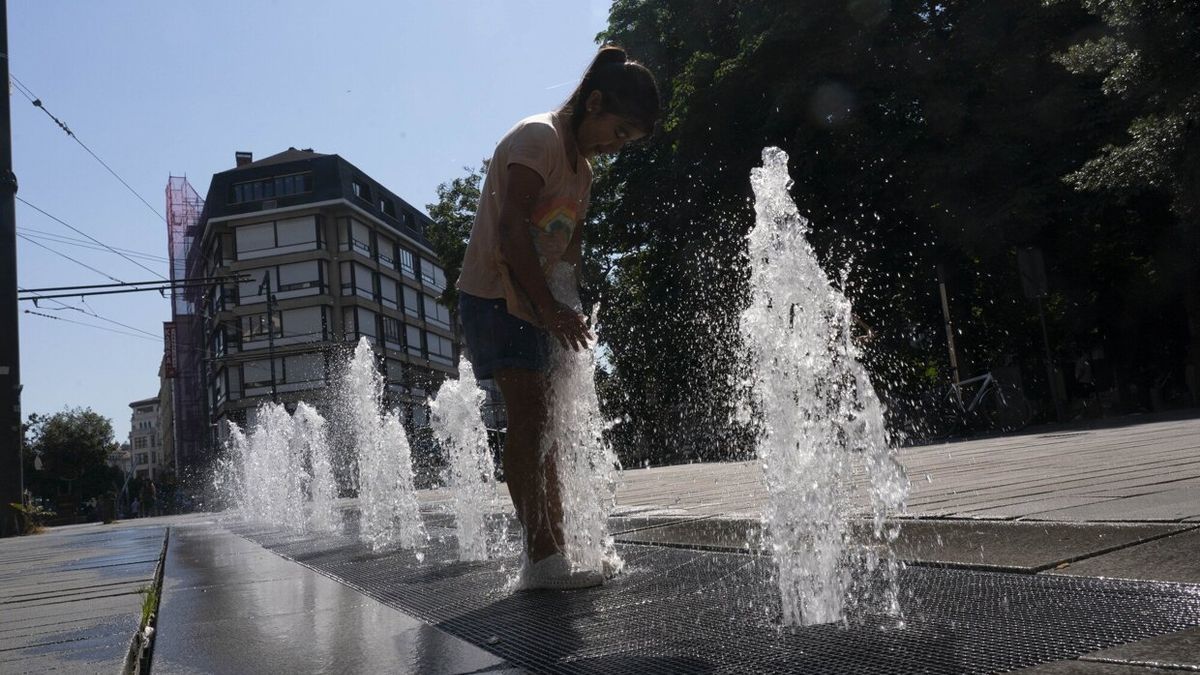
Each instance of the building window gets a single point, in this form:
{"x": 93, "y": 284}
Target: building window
{"x": 261, "y": 240}
{"x": 440, "y": 348}
{"x": 427, "y": 272}
{"x": 435, "y": 312}
{"x": 258, "y": 373}
{"x": 407, "y": 266}
{"x": 412, "y": 338}
{"x": 386, "y": 250}
{"x": 387, "y": 206}
{"x": 271, "y": 188}
{"x": 360, "y": 189}
{"x": 255, "y": 326}
{"x": 358, "y": 279}
{"x": 139, "y": 443}
{"x": 354, "y": 235}
{"x": 389, "y": 295}
{"x": 412, "y": 305}
{"x": 364, "y": 281}
{"x": 391, "y": 330}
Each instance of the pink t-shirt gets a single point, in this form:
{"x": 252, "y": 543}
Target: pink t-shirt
{"x": 535, "y": 142}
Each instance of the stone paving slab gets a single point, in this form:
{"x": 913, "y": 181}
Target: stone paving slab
{"x": 1170, "y": 504}
{"x": 230, "y": 606}
{"x": 1179, "y": 651}
{"x": 1173, "y": 558}
{"x": 1001, "y": 545}
{"x": 1139, "y": 472}
{"x": 1092, "y": 668}
{"x": 71, "y": 598}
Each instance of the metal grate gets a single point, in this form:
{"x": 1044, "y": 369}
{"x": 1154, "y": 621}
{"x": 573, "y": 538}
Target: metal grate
{"x": 678, "y": 610}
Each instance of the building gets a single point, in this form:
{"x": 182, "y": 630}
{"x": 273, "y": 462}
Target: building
{"x": 287, "y": 259}
{"x": 121, "y": 458}
{"x": 145, "y": 440}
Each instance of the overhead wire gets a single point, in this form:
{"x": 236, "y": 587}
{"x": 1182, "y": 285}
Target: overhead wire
{"x": 77, "y": 262}
{"x": 89, "y": 312}
{"x": 89, "y": 325}
{"x": 37, "y": 103}
{"x": 83, "y": 243}
{"x": 90, "y": 237}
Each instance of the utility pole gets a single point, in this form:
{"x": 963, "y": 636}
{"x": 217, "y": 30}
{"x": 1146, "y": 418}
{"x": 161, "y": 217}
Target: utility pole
{"x": 266, "y": 283}
{"x": 941, "y": 276}
{"x": 12, "y": 483}
{"x": 1032, "y": 268}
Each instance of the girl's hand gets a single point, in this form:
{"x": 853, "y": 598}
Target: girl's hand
{"x": 569, "y": 326}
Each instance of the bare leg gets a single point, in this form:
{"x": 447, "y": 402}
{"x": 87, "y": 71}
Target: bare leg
{"x": 532, "y": 484}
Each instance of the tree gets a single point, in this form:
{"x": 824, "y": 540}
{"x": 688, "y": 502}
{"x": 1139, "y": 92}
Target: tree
{"x": 1149, "y": 57}
{"x": 453, "y": 216}
{"x": 919, "y": 134}
{"x": 72, "y": 447}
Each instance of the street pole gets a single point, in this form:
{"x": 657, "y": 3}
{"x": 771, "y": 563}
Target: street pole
{"x": 266, "y": 282}
{"x": 12, "y": 483}
{"x": 941, "y": 275}
{"x": 1051, "y": 380}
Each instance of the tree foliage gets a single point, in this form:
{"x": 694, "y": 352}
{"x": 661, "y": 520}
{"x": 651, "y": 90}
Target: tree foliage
{"x": 920, "y": 134}
{"x": 72, "y": 448}
{"x": 453, "y": 215}
{"x": 1148, "y": 55}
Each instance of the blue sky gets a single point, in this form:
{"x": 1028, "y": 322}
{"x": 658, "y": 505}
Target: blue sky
{"x": 408, "y": 91}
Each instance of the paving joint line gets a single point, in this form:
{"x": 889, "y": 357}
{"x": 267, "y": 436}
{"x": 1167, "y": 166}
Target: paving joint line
{"x": 1113, "y": 549}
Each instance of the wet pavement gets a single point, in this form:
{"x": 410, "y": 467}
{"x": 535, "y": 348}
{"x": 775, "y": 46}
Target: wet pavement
{"x": 230, "y": 605}
{"x": 71, "y": 598}
{"x": 1072, "y": 508}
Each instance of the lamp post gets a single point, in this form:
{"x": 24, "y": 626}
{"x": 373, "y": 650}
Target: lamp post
{"x": 12, "y": 486}
{"x": 266, "y": 284}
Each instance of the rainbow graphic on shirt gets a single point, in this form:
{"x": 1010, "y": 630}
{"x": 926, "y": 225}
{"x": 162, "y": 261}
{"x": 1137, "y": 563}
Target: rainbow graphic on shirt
{"x": 557, "y": 215}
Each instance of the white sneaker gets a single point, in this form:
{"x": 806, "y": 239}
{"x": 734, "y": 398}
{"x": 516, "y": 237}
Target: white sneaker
{"x": 554, "y": 573}
{"x": 612, "y": 565}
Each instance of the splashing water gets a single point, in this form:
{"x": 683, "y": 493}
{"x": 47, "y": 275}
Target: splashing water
{"x": 309, "y": 436}
{"x": 276, "y": 477}
{"x": 585, "y": 463}
{"x": 265, "y": 474}
{"x": 819, "y": 415}
{"x": 458, "y": 426}
{"x": 387, "y": 498}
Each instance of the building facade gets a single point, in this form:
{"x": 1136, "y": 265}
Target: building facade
{"x": 292, "y": 258}
{"x": 147, "y": 458}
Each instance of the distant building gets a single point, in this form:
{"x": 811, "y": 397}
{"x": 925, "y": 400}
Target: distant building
{"x": 145, "y": 440}
{"x": 121, "y": 458}
{"x": 166, "y": 395}
{"x": 325, "y": 256}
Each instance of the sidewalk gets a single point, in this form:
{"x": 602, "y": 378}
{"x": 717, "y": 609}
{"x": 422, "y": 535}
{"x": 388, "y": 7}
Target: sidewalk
{"x": 71, "y": 598}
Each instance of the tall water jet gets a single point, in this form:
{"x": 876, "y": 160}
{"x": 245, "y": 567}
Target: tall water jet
{"x": 387, "y": 498}
{"x": 585, "y": 463}
{"x": 309, "y": 434}
{"x": 458, "y": 425}
{"x": 274, "y": 477}
{"x": 229, "y": 475}
{"x": 819, "y": 412}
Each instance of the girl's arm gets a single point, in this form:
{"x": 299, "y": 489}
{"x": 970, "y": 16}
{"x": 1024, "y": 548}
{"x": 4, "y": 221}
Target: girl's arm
{"x": 516, "y": 247}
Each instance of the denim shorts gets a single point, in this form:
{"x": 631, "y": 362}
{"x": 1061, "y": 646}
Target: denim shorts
{"x": 497, "y": 339}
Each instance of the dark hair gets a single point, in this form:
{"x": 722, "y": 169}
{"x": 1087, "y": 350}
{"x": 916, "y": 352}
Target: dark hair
{"x": 627, "y": 87}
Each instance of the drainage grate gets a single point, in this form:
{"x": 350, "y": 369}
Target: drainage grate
{"x": 678, "y": 610}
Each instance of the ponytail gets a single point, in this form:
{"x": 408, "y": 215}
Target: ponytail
{"x": 627, "y": 87}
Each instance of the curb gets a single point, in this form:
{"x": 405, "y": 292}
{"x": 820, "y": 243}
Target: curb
{"x": 141, "y": 646}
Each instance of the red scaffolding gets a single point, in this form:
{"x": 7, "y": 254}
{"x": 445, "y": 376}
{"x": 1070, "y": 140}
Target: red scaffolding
{"x": 184, "y": 208}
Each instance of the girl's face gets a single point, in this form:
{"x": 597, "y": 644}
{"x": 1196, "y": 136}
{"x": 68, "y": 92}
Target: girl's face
{"x": 603, "y": 133}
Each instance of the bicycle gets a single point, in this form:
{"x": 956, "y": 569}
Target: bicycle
{"x": 996, "y": 406}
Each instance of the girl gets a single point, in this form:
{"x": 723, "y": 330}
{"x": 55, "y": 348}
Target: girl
{"x": 529, "y": 219}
